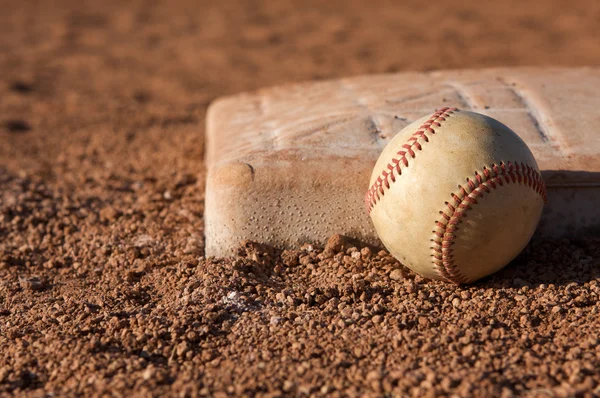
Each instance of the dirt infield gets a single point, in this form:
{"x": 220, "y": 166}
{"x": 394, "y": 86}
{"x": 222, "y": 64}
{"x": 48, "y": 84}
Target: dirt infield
{"x": 104, "y": 287}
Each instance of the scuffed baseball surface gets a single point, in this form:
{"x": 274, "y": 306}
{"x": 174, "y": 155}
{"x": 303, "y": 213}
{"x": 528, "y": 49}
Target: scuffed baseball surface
{"x": 455, "y": 195}
{"x": 292, "y": 163}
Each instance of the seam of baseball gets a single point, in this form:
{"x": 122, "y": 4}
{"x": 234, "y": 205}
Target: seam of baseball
{"x": 462, "y": 200}
{"x": 377, "y": 189}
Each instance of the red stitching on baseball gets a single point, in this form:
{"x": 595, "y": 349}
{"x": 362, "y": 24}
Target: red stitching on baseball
{"x": 377, "y": 190}
{"x": 463, "y": 200}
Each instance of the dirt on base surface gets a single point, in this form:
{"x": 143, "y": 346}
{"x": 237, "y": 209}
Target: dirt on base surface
{"x": 103, "y": 287}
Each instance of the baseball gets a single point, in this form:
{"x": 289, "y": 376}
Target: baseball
{"x": 455, "y": 195}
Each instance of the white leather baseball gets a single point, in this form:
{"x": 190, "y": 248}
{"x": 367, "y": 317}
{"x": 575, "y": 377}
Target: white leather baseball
{"x": 455, "y": 195}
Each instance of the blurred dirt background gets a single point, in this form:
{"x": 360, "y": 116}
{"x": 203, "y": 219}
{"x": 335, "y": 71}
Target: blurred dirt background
{"x": 103, "y": 285}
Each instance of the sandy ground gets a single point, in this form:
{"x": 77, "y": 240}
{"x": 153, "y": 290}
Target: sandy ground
{"x": 103, "y": 283}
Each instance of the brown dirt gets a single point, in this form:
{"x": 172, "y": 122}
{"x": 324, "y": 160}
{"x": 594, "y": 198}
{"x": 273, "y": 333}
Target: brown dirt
{"x": 103, "y": 285}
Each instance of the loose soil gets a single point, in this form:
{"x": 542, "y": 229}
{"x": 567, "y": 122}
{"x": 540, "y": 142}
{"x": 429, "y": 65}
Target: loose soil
{"x": 103, "y": 285}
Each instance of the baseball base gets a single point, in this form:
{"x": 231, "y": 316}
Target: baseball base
{"x": 455, "y": 196}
